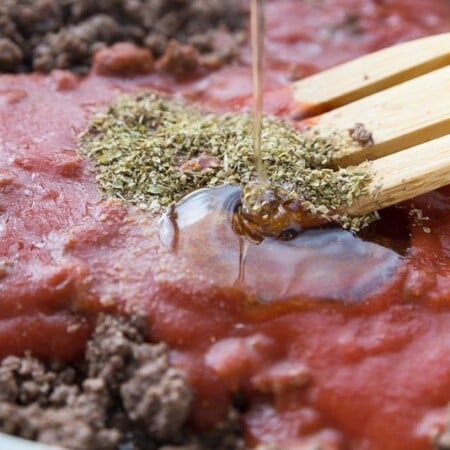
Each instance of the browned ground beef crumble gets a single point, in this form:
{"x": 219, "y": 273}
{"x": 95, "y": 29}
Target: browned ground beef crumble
{"x": 43, "y": 35}
{"x": 125, "y": 394}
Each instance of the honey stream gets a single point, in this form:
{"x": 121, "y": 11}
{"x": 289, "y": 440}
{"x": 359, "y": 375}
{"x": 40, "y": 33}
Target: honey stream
{"x": 257, "y": 25}
{"x": 257, "y": 38}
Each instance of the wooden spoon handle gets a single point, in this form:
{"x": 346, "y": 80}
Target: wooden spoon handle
{"x": 399, "y": 117}
{"x": 406, "y": 174}
{"x": 374, "y": 72}
{"x": 401, "y": 95}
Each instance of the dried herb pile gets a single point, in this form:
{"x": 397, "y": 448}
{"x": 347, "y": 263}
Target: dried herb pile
{"x": 151, "y": 148}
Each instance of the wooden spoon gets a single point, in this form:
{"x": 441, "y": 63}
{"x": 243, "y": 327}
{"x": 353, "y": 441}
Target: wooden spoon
{"x": 402, "y": 96}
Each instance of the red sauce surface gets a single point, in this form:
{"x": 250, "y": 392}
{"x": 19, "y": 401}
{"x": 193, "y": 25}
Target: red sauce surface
{"x": 378, "y": 371}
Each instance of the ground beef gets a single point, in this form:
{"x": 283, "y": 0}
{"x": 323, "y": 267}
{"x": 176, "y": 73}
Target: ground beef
{"x": 11, "y": 54}
{"x": 180, "y": 59}
{"x": 74, "y": 45}
{"x": 46, "y": 34}
{"x": 125, "y": 392}
{"x": 123, "y": 59}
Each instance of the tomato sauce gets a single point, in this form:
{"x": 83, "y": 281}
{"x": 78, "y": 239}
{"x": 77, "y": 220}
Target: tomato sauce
{"x": 367, "y": 375}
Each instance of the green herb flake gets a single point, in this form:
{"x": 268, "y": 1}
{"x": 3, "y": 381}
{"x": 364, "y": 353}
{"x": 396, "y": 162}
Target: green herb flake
{"x": 151, "y": 148}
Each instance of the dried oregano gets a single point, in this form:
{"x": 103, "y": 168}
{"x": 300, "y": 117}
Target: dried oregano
{"x": 149, "y": 147}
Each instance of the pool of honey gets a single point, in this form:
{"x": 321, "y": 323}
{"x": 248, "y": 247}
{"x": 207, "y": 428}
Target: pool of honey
{"x": 326, "y": 263}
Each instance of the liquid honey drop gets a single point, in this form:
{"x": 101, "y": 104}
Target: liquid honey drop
{"x": 316, "y": 264}
{"x": 267, "y": 212}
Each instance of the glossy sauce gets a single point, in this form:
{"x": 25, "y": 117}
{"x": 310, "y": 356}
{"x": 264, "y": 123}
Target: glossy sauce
{"x": 368, "y": 370}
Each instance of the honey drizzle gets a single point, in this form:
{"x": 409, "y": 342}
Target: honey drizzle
{"x": 243, "y": 249}
{"x": 257, "y": 38}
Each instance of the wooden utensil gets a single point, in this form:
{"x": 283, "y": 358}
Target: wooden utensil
{"x": 402, "y": 96}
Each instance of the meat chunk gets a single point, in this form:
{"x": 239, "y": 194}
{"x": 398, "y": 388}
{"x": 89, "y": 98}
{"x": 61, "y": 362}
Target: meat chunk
{"x": 64, "y": 34}
{"x": 124, "y": 384}
{"x": 123, "y": 59}
{"x": 180, "y": 59}
{"x": 11, "y": 55}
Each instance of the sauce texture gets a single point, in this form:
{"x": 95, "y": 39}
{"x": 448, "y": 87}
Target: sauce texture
{"x": 370, "y": 374}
